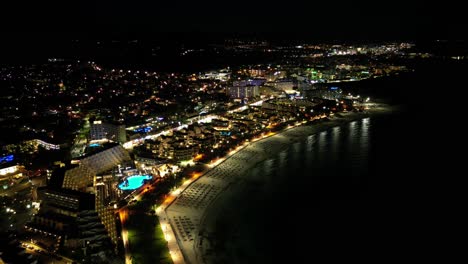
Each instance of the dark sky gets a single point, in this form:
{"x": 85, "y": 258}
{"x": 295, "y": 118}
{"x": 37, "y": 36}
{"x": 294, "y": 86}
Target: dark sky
{"x": 313, "y": 19}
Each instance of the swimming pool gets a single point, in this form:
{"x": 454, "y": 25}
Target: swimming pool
{"x": 133, "y": 182}
{"x": 94, "y": 145}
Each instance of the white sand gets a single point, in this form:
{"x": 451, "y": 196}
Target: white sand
{"x": 193, "y": 214}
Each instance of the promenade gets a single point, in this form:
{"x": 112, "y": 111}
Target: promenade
{"x": 182, "y": 213}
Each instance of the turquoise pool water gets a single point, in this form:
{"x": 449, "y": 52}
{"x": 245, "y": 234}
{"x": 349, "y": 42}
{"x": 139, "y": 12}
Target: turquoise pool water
{"x": 134, "y": 182}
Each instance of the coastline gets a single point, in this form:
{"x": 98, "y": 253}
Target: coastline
{"x": 194, "y": 213}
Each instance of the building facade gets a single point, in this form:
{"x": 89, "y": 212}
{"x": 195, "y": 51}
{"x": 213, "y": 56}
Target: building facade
{"x": 101, "y": 130}
{"x": 243, "y": 91}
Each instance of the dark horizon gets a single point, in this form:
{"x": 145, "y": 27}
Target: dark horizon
{"x": 45, "y": 29}
{"x": 400, "y": 20}
{"x": 135, "y": 51}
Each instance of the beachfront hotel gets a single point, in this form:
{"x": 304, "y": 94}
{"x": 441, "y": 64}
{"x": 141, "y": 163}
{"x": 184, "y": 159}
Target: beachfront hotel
{"x": 77, "y": 204}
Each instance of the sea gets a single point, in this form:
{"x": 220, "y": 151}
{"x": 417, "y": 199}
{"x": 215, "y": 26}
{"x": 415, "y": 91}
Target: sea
{"x": 326, "y": 197}
{"x": 371, "y": 190}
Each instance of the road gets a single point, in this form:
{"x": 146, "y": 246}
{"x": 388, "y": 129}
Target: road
{"x": 169, "y": 235}
{"x": 43, "y": 254}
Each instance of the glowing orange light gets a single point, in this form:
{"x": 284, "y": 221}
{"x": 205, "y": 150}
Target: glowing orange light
{"x": 198, "y": 157}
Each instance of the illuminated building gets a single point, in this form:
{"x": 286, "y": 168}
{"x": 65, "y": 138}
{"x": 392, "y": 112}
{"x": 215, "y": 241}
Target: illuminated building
{"x": 256, "y": 72}
{"x": 243, "y": 91}
{"x": 78, "y": 178}
{"x": 8, "y": 169}
{"x": 106, "y": 213}
{"x": 101, "y": 130}
{"x": 83, "y": 191}
{"x": 284, "y": 85}
{"x": 59, "y": 209}
{"x": 287, "y": 105}
{"x": 82, "y": 176}
{"x": 68, "y": 202}
{"x": 183, "y": 153}
{"x": 10, "y": 172}
{"x": 37, "y": 142}
{"x": 249, "y": 82}
{"x": 220, "y": 123}
{"x": 222, "y": 75}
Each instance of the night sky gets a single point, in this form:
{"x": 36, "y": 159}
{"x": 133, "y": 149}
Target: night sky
{"x": 310, "y": 19}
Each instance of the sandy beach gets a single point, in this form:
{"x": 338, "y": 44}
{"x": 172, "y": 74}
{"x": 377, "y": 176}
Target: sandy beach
{"x": 193, "y": 215}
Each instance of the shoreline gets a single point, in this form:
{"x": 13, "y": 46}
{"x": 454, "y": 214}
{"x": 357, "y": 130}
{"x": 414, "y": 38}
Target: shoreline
{"x": 189, "y": 214}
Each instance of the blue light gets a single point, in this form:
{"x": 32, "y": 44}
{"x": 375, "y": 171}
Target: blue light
{"x": 134, "y": 182}
{"x": 7, "y": 158}
{"x": 94, "y": 145}
{"x": 143, "y": 129}
{"x": 333, "y": 88}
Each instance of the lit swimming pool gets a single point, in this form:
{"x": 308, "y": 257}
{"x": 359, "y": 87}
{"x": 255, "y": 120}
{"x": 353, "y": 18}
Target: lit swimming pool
{"x": 134, "y": 182}
{"x": 94, "y": 145}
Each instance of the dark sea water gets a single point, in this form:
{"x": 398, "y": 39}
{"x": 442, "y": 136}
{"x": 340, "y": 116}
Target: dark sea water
{"x": 337, "y": 195}
{"x": 369, "y": 191}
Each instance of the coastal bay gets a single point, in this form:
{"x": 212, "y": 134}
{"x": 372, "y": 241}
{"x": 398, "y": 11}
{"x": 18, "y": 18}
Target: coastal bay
{"x": 199, "y": 210}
